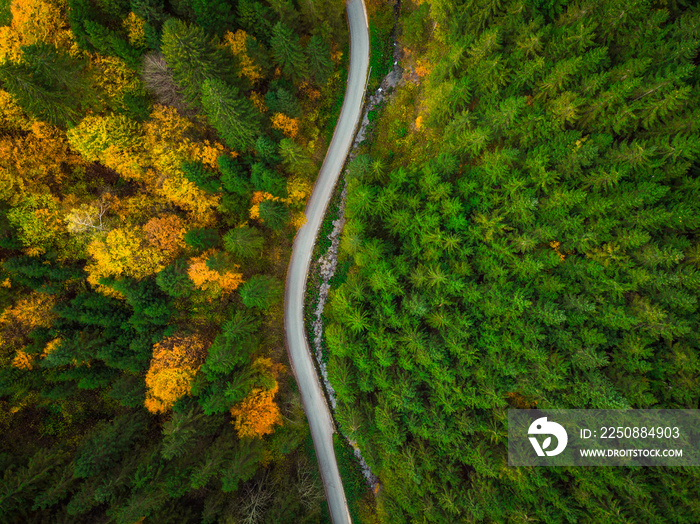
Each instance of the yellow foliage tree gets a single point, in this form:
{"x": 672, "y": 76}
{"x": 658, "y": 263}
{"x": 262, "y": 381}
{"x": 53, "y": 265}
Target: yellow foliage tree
{"x": 173, "y": 367}
{"x": 152, "y": 154}
{"x": 123, "y": 251}
{"x": 23, "y": 360}
{"x": 33, "y": 22}
{"x": 288, "y": 125}
{"x": 168, "y": 146}
{"x": 39, "y": 222}
{"x": 12, "y": 116}
{"x": 136, "y": 29}
{"x": 95, "y": 134}
{"x": 30, "y": 312}
{"x": 257, "y": 414}
{"x": 236, "y": 43}
{"x": 258, "y": 101}
{"x": 33, "y": 161}
{"x": 211, "y": 280}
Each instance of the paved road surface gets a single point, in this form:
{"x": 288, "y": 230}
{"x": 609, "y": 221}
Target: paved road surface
{"x": 299, "y": 352}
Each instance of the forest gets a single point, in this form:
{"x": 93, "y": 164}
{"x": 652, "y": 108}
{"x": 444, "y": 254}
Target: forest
{"x": 523, "y": 230}
{"x": 155, "y": 159}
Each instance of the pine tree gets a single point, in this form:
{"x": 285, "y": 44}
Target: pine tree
{"x": 288, "y": 53}
{"x": 274, "y": 214}
{"x": 256, "y": 18}
{"x": 193, "y": 57}
{"x": 232, "y": 115}
{"x": 107, "y": 444}
{"x": 213, "y": 17}
{"x": 244, "y": 242}
{"x": 319, "y": 58}
{"x": 44, "y": 103}
{"x": 261, "y": 291}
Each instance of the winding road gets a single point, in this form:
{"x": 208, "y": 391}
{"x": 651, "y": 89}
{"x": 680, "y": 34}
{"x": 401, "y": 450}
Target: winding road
{"x": 300, "y": 356}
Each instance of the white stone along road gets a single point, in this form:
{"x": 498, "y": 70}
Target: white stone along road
{"x": 300, "y": 355}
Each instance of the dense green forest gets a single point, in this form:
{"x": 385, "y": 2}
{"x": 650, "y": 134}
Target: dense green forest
{"x": 155, "y": 159}
{"x": 523, "y": 231}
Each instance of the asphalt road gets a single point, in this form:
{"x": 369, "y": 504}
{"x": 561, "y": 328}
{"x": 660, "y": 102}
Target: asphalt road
{"x": 300, "y": 354}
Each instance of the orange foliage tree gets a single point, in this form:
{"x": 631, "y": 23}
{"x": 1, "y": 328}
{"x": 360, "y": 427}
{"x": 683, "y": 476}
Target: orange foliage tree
{"x": 166, "y": 234}
{"x": 208, "y": 279}
{"x": 30, "y": 312}
{"x": 174, "y": 364}
{"x": 288, "y": 125}
{"x": 257, "y": 414}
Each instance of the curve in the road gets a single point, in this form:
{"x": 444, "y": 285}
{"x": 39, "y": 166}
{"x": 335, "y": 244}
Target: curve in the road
{"x": 312, "y": 397}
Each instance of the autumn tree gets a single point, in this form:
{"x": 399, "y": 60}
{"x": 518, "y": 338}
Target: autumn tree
{"x": 237, "y": 44}
{"x": 33, "y": 22}
{"x": 125, "y": 251}
{"x": 257, "y": 414}
{"x": 288, "y": 126}
{"x": 166, "y": 235}
{"x": 96, "y": 136}
{"x": 175, "y": 362}
{"x": 222, "y": 279}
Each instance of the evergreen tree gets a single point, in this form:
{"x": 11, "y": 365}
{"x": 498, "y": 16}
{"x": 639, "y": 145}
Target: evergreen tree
{"x": 288, "y": 53}
{"x": 274, "y": 214}
{"x": 261, "y": 291}
{"x": 202, "y": 239}
{"x": 213, "y": 17}
{"x": 194, "y": 58}
{"x": 244, "y": 242}
{"x": 203, "y": 178}
{"x": 319, "y": 58}
{"x": 52, "y": 105}
{"x": 233, "y": 116}
{"x": 256, "y": 18}
{"x": 108, "y": 442}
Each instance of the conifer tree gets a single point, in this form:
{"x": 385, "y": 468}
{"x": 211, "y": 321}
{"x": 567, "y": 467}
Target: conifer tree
{"x": 193, "y": 57}
{"x": 288, "y": 53}
{"x": 244, "y": 242}
{"x": 261, "y": 291}
{"x": 233, "y": 116}
{"x": 319, "y": 58}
